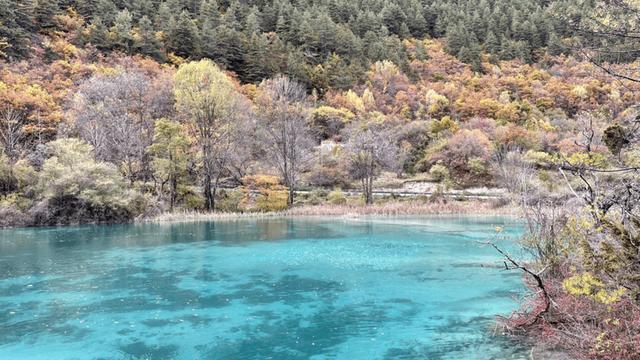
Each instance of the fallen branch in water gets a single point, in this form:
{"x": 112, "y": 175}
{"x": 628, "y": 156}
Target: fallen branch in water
{"x": 535, "y": 275}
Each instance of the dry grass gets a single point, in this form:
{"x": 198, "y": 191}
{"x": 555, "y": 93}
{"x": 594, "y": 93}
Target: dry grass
{"x": 395, "y": 208}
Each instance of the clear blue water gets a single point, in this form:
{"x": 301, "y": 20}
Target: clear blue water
{"x": 380, "y": 288}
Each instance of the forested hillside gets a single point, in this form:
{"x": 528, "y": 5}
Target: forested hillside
{"x": 326, "y": 43}
{"x": 449, "y": 87}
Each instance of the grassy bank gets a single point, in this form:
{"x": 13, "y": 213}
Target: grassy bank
{"x": 392, "y": 208}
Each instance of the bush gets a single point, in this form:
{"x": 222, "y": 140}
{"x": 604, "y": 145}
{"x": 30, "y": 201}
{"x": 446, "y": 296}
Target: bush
{"x": 439, "y": 172}
{"x": 72, "y": 172}
{"x": 229, "y": 200}
{"x": 315, "y": 197}
{"x": 7, "y": 179}
{"x": 327, "y": 121}
{"x": 263, "y": 193}
{"x": 10, "y": 215}
{"x": 337, "y": 197}
{"x": 331, "y": 175}
{"x": 70, "y": 209}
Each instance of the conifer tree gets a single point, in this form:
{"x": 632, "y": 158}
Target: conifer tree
{"x": 44, "y": 12}
{"x": 183, "y": 37}
{"x": 99, "y": 36}
{"x": 145, "y": 41}
{"x": 121, "y": 32}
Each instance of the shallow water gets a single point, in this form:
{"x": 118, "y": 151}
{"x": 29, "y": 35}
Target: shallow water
{"x": 379, "y": 288}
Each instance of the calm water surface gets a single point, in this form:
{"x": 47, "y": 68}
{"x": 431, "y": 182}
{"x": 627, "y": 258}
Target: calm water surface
{"x": 385, "y": 288}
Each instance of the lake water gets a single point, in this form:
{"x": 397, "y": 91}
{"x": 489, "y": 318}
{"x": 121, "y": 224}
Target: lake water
{"x": 379, "y": 288}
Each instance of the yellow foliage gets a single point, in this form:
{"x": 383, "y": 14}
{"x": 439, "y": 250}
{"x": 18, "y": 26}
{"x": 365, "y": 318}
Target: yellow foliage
{"x": 589, "y": 286}
{"x": 368, "y": 100}
{"x": 444, "y": 124}
{"x": 539, "y": 157}
{"x": 435, "y": 102}
{"x": 588, "y": 159}
{"x": 354, "y": 102}
{"x": 580, "y": 92}
{"x": 263, "y": 193}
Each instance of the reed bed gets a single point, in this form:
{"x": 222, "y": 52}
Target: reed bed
{"x": 397, "y": 208}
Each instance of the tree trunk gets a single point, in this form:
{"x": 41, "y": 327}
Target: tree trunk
{"x": 291, "y": 196}
{"x": 208, "y": 197}
{"x": 173, "y": 194}
{"x": 366, "y": 191}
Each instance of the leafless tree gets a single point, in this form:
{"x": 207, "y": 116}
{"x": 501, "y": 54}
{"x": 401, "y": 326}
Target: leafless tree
{"x": 370, "y": 150}
{"x": 12, "y": 132}
{"x": 284, "y": 128}
{"x": 115, "y": 114}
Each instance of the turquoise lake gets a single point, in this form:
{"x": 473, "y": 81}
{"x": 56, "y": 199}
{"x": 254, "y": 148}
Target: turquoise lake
{"x": 307, "y": 288}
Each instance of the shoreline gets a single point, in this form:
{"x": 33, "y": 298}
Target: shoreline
{"x": 403, "y": 208}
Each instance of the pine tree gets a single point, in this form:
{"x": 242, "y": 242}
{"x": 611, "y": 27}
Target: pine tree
{"x": 164, "y": 19}
{"x": 121, "y": 32}
{"x": 15, "y": 36}
{"x": 208, "y": 39}
{"x": 107, "y": 11}
{"x": 456, "y": 39}
{"x": 145, "y": 41}
{"x": 555, "y": 46}
{"x": 227, "y": 48}
{"x": 393, "y": 17}
{"x": 255, "y": 59}
{"x": 183, "y": 37}
{"x": 252, "y": 22}
{"x": 210, "y": 11}
{"x": 492, "y": 44}
{"x": 44, "y": 12}
{"x": 99, "y": 36}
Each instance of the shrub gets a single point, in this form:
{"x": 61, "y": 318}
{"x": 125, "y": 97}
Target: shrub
{"x": 315, "y": 197}
{"x": 69, "y": 209}
{"x": 263, "y": 193}
{"x": 329, "y": 175}
{"x": 328, "y": 121}
{"x": 10, "y": 215}
{"x": 337, "y": 197}
{"x": 229, "y": 200}
{"x": 466, "y": 154}
{"x": 439, "y": 172}
{"x": 75, "y": 188}
{"x": 7, "y": 179}
{"x": 72, "y": 172}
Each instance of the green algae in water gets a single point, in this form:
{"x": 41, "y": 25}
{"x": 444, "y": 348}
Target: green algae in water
{"x": 378, "y": 288}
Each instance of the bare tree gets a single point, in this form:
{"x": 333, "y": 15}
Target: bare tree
{"x": 284, "y": 128}
{"x": 370, "y": 150}
{"x": 116, "y": 114}
{"x": 12, "y": 132}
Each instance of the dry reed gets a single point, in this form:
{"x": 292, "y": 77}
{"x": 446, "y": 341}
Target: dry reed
{"x": 397, "y": 208}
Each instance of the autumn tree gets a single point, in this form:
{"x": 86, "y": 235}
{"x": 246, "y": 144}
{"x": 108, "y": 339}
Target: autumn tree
{"x": 370, "y": 150}
{"x": 209, "y": 103}
{"x": 115, "y": 114}
{"x": 284, "y": 128}
{"x": 170, "y": 151}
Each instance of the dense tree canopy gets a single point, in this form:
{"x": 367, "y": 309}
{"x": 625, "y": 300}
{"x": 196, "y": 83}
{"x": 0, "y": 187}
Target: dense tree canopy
{"x": 326, "y": 43}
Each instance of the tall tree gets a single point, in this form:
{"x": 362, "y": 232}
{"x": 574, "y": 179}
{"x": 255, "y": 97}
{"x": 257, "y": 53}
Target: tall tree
{"x": 44, "y": 12}
{"x": 209, "y": 103}
{"x": 183, "y": 38}
{"x": 170, "y": 151}
{"x": 370, "y": 149}
{"x": 284, "y": 128}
